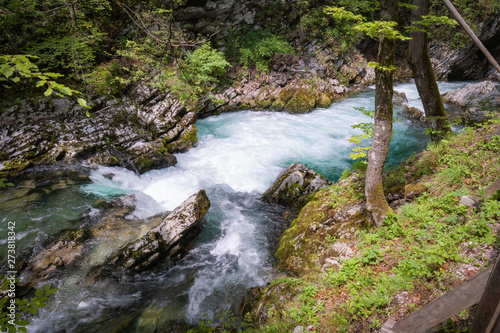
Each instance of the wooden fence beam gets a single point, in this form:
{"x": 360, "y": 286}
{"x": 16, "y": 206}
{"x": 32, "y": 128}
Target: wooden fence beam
{"x": 442, "y": 308}
{"x": 486, "y": 319}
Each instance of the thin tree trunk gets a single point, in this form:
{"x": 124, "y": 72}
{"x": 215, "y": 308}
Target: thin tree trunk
{"x": 471, "y": 33}
{"x": 375, "y": 199}
{"x": 421, "y": 67}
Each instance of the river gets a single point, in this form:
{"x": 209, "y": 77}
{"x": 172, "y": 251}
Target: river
{"x": 237, "y": 158}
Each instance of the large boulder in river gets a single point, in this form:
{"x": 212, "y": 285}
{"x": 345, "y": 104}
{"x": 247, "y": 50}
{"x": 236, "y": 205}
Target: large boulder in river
{"x": 116, "y": 226}
{"x": 166, "y": 242}
{"x": 478, "y": 99}
{"x": 293, "y": 186}
{"x": 473, "y": 94}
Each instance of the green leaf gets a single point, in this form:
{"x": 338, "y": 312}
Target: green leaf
{"x": 22, "y": 322}
{"x": 8, "y": 72}
{"x": 51, "y": 291}
{"x": 48, "y": 92}
{"x": 39, "y": 292}
{"x": 3, "y": 68}
{"x": 65, "y": 90}
{"x": 83, "y": 103}
{"x": 33, "y": 310}
{"x": 22, "y": 329}
{"x": 16, "y": 79}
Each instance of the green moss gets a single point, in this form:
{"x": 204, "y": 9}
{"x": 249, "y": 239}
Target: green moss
{"x": 264, "y": 103}
{"x": 302, "y": 101}
{"x": 304, "y": 243}
{"x": 190, "y": 136}
{"x": 278, "y": 105}
{"x": 13, "y": 167}
{"x": 187, "y": 140}
{"x": 324, "y": 101}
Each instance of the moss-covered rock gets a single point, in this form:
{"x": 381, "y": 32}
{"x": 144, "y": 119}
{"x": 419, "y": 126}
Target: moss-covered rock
{"x": 277, "y": 105}
{"x": 303, "y": 101}
{"x": 414, "y": 190}
{"x": 187, "y": 139}
{"x": 324, "y": 101}
{"x": 333, "y": 215}
{"x": 153, "y": 160}
{"x": 294, "y": 186}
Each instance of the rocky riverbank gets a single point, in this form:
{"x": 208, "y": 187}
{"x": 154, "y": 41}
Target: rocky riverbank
{"x": 142, "y": 129}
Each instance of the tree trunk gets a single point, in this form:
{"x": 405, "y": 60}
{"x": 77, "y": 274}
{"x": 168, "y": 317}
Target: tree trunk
{"x": 375, "y": 199}
{"x": 421, "y": 67}
{"x": 471, "y": 33}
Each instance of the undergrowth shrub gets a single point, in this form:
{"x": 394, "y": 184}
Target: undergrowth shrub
{"x": 256, "y": 48}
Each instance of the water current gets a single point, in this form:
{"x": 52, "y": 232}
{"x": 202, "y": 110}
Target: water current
{"x": 237, "y": 157}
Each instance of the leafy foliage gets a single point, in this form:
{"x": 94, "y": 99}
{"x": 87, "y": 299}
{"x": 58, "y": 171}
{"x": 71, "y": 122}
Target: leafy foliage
{"x": 13, "y": 68}
{"x": 62, "y": 36}
{"x": 204, "y": 66}
{"x": 473, "y": 13}
{"x": 384, "y": 29}
{"x": 25, "y": 306}
{"x": 429, "y": 21}
{"x": 256, "y": 48}
{"x": 4, "y": 184}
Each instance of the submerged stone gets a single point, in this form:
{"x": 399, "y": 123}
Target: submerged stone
{"x": 116, "y": 227}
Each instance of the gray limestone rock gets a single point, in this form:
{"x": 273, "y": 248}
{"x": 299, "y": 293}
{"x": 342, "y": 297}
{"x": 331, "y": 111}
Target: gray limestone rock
{"x": 293, "y": 185}
{"x": 165, "y": 242}
{"x": 474, "y": 94}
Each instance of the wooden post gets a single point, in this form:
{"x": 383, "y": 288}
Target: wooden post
{"x": 487, "y": 318}
{"x": 442, "y": 308}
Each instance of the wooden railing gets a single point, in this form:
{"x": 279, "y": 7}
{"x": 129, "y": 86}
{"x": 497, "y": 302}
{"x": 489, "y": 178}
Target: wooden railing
{"x": 483, "y": 288}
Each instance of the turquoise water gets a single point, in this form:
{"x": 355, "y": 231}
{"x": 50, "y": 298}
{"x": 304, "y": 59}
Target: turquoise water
{"x": 237, "y": 158}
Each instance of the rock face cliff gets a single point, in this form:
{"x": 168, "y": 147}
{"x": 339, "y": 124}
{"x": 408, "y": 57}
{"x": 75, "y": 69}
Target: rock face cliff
{"x": 139, "y": 131}
{"x": 142, "y": 129}
{"x": 209, "y": 17}
{"x": 468, "y": 63}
